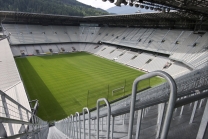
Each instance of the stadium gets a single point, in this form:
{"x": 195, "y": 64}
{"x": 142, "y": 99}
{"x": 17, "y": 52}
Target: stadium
{"x": 137, "y": 76}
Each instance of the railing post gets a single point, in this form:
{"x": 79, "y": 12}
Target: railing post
{"x": 3, "y": 132}
{"x": 65, "y": 126}
{"x": 22, "y": 128}
{"x": 94, "y": 125}
{"x": 28, "y": 116}
{"x": 160, "y": 118}
{"x": 68, "y": 126}
{"x": 139, "y": 123}
{"x": 203, "y": 124}
{"x": 71, "y": 125}
{"x": 89, "y": 118}
{"x": 102, "y": 124}
{"x": 171, "y": 104}
{"x": 112, "y": 126}
{"x": 200, "y": 104}
{"x": 193, "y": 112}
{"x": 181, "y": 112}
{"x": 109, "y": 114}
{"x": 123, "y": 116}
{"x": 7, "y": 113}
{"x": 77, "y": 114}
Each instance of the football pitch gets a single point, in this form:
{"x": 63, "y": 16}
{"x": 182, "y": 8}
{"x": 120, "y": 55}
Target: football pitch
{"x": 66, "y": 83}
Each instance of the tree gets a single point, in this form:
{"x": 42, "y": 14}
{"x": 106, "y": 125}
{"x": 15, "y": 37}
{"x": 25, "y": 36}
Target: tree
{"x": 62, "y": 7}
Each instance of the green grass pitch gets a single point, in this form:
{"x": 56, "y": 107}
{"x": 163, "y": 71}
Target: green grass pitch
{"x": 61, "y": 82}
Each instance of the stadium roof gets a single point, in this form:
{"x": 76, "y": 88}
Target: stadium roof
{"x": 157, "y": 19}
{"x": 193, "y": 6}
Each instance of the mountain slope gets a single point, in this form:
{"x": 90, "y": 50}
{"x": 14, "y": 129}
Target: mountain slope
{"x": 62, "y": 7}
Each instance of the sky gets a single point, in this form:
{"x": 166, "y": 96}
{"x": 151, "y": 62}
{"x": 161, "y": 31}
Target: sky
{"x": 98, "y": 3}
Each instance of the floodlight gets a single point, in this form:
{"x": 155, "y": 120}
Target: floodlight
{"x": 118, "y": 2}
{"x": 124, "y": 2}
{"x": 142, "y": 6}
{"x": 131, "y": 4}
{"x": 111, "y": 1}
{"x": 146, "y": 7}
{"x": 137, "y": 5}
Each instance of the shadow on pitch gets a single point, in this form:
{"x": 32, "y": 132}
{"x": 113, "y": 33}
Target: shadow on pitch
{"x": 49, "y": 108}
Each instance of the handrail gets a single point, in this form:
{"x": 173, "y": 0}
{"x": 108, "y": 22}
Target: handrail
{"x": 89, "y": 117}
{"x": 22, "y": 134}
{"x": 77, "y": 114}
{"x": 13, "y": 101}
{"x": 171, "y": 104}
{"x": 25, "y": 118}
{"x": 190, "y": 99}
{"x": 14, "y": 121}
{"x": 109, "y": 116}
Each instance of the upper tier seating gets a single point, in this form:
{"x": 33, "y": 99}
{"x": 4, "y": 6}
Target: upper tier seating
{"x": 181, "y": 45}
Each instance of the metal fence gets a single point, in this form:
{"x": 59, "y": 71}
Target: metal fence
{"x": 17, "y": 121}
{"x": 113, "y": 92}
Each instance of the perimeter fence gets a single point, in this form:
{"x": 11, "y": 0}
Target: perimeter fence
{"x": 116, "y": 91}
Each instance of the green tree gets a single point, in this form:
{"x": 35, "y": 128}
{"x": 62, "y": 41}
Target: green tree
{"x": 62, "y": 7}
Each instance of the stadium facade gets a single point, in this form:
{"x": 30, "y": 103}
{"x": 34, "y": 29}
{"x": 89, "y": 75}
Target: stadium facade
{"x": 173, "y": 42}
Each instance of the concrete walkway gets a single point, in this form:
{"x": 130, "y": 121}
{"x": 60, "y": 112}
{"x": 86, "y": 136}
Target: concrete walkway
{"x": 54, "y": 133}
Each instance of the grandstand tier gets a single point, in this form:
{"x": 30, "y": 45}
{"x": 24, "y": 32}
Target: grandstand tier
{"x": 181, "y": 45}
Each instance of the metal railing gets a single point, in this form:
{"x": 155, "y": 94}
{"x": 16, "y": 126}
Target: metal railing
{"x": 21, "y": 121}
{"x": 171, "y": 105}
{"x": 159, "y": 95}
{"x": 98, "y": 117}
{"x": 89, "y": 123}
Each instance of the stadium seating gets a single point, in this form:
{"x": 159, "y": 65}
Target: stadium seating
{"x": 157, "y": 63}
{"x": 169, "y": 41}
{"x": 140, "y": 60}
{"x": 15, "y": 51}
{"x": 114, "y": 54}
{"x": 62, "y": 34}
{"x": 30, "y": 50}
{"x": 73, "y": 33}
{"x": 183, "y": 46}
{"x": 187, "y": 52}
{"x": 94, "y": 48}
{"x": 126, "y": 57}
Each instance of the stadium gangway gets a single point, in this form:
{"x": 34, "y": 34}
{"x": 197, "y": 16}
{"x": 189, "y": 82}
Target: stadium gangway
{"x": 186, "y": 86}
{"x": 22, "y": 122}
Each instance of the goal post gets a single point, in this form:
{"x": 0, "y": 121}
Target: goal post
{"x": 118, "y": 89}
